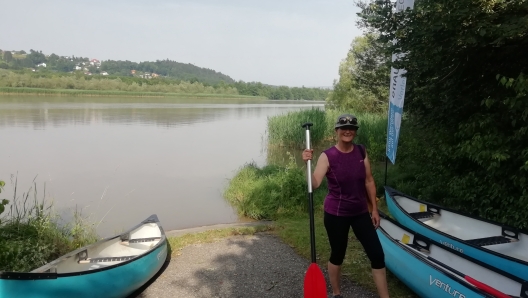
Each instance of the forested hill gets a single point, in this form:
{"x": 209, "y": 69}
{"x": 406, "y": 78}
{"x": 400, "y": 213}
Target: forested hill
{"x": 40, "y": 65}
{"x": 166, "y": 68}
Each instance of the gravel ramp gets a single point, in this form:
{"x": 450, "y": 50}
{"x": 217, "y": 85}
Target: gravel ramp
{"x": 259, "y": 265}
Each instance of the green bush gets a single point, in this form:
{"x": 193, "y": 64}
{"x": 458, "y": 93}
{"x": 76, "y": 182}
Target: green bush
{"x": 271, "y": 191}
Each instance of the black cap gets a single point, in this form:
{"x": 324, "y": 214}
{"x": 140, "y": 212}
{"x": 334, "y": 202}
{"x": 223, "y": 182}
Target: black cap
{"x": 346, "y": 120}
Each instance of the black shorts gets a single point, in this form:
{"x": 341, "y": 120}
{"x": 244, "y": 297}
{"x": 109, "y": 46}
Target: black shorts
{"x": 337, "y": 229}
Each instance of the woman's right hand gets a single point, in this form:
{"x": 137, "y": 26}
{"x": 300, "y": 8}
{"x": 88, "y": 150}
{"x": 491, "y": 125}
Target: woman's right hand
{"x": 307, "y": 155}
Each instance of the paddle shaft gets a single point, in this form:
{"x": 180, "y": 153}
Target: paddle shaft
{"x": 482, "y": 286}
{"x": 314, "y": 280}
{"x": 310, "y": 194}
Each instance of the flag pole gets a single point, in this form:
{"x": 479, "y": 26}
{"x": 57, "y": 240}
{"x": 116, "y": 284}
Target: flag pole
{"x": 386, "y": 165}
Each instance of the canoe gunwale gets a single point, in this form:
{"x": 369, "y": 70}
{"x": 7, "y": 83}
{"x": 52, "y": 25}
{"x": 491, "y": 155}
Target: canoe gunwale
{"x": 430, "y": 241}
{"x": 392, "y": 192}
{"x": 421, "y": 258}
{"x": 32, "y": 275}
{"x": 517, "y": 231}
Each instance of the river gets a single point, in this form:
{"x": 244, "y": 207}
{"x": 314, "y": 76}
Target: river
{"x": 119, "y": 160}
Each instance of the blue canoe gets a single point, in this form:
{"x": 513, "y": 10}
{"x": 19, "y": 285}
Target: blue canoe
{"x": 501, "y": 246}
{"x": 112, "y": 268}
{"x": 431, "y": 269}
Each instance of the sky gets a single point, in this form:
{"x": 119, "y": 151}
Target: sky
{"x": 288, "y": 42}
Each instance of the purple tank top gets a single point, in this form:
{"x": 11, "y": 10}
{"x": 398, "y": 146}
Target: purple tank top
{"x": 347, "y": 195}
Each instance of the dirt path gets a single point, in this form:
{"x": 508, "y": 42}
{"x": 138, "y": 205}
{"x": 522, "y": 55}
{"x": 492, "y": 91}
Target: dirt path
{"x": 259, "y": 265}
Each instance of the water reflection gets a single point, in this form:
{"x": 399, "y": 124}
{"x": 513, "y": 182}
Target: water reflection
{"x": 120, "y": 160}
{"x": 40, "y": 115}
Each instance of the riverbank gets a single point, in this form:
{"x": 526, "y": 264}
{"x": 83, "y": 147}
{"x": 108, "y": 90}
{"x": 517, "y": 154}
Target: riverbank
{"x": 107, "y": 93}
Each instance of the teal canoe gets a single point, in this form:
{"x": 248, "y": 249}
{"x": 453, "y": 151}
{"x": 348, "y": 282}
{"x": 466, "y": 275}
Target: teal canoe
{"x": 113, "y": 267}
{"x": 499, "y": 245}
{"x": 431, "y": 269}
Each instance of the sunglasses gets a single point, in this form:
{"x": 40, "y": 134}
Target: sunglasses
{"x": 345, "y": 120}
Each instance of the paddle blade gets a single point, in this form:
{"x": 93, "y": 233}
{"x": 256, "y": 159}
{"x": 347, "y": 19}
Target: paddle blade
{"x": 314, "y": 283}
{"x": 486, "y": 288}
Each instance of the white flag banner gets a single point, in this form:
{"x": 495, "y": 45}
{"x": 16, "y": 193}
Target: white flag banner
{"x": 396, "y": 96}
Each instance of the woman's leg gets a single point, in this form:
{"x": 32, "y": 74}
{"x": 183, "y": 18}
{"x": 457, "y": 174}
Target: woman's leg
{"x": 366, "y": 234}
{"x": 380, "y": 279}
{"x": 337, "y": 229}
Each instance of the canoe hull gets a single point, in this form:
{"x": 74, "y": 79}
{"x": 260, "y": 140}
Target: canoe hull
{"x": 118, "y": 282}
{"x": 515, "y": 267}
{"x": 113, "y": 278}
{"x": 421, "y": 278}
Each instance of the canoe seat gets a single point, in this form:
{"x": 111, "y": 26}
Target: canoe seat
{"x": 109, "y": 259}
{"x": 422, "y": 215}
{"x": 139, "y": 240}
{"x": 489, "y": 240}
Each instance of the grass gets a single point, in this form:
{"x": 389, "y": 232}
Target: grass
{"x": 31, "y": 236}
{"x": 270, "y": 192}
{"x": 77, "y": 92}
{"x": 178, "y": 243}
{"x": 285, "y": 130}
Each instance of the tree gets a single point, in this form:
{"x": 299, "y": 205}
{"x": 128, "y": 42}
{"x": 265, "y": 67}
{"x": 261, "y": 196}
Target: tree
{"x": 363, "y": 77}
{"x": 8, "y": 56}
{"x": 454, "y": 52}
{"x": 35, "y": 58}
{"x": 52, "y": 59}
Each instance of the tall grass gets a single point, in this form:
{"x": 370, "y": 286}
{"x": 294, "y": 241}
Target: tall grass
{"x": 285, "y": 130}
{"x": 31, "y": 236}
{"x": 270, "y": 192}
{"x": 78, "y": 92}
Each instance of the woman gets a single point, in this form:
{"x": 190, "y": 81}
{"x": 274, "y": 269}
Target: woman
{"x": 350, "y": 188}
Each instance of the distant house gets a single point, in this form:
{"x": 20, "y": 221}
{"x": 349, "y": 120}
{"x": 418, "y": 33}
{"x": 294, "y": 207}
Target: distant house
{"x": 133, "y": 71}
{"x": 95, "y": 62}
{"x": 104, "y": 73}
{"x": 41, "y": 65}
{"x": 77, "y": 67}
{"x": 155, "y": 75}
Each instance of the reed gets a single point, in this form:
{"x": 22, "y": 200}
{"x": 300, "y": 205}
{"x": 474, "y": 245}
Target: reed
{"x": 285, "y": 130}
{"x": 31, "y": 235}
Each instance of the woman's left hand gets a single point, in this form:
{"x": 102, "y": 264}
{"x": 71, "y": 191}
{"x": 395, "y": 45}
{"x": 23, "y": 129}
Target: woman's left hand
{"x": 375, "y": 218}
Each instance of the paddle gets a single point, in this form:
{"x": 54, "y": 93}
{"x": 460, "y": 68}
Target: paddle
{"x": 479, "y": 285}
{"x": 314, "y": 281}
